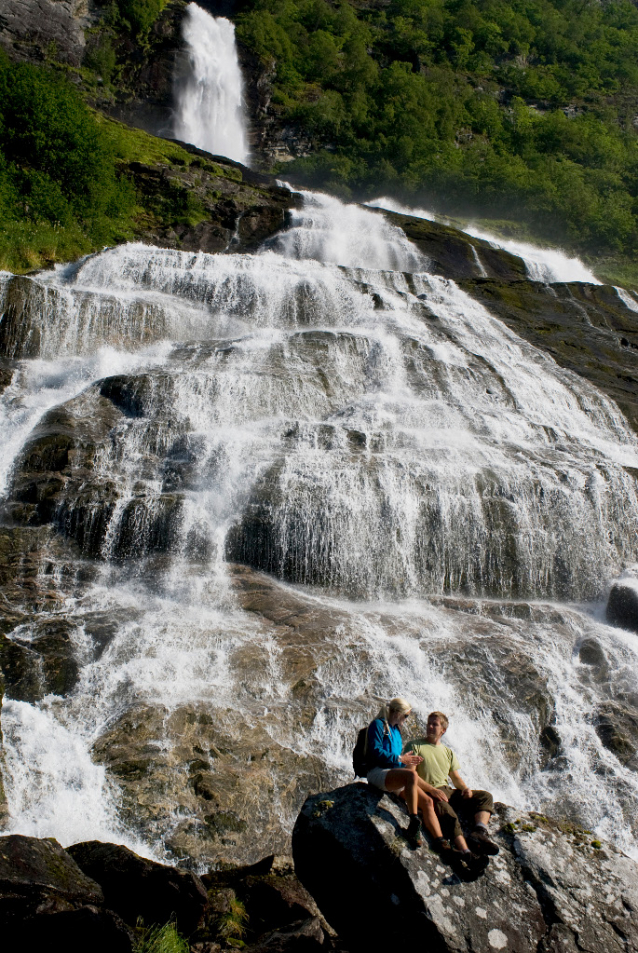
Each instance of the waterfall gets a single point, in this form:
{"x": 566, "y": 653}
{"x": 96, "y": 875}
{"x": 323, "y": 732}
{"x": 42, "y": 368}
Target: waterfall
{"x": 543, "y": 264}
{"x": 210, "y": 111}
{"x": 429, "y": 498}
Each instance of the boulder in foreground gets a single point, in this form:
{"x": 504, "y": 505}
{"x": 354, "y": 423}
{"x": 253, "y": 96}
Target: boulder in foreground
{"x": 136, "y": 887}
{"x": 47, "y": 902}
{"x": 552, "y": 888}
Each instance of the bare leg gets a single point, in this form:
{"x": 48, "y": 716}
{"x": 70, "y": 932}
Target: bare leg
{"x": 405, "y": 778}
{"x": 482, "y": 817}
{"x": 430, "y": 819}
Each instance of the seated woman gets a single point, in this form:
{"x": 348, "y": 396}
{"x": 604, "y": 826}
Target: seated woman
{"x": 390, "y": 770}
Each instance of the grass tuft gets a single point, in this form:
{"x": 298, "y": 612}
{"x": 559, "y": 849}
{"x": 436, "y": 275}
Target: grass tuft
{"x": 164, "y": 939}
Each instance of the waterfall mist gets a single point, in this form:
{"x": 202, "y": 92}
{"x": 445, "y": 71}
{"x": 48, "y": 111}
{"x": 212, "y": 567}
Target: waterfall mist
{"x": 303, "y": 479}
{"x": 209, "y": 109}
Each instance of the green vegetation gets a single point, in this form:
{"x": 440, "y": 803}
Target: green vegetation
{"x": 232, "y": 925}
{"x": 133, "y": 16}
{"x": 163, "y": 939}
{"x": 60, "y": 191}
{"x": 66, "y": 180}
{"x": 513, "y": 109}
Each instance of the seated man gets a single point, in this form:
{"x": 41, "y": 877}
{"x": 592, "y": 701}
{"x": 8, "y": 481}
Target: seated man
{"x": 438, "y": 763}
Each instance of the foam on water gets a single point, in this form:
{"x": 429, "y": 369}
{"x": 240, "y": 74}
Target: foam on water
{"x": 392, "y": 206}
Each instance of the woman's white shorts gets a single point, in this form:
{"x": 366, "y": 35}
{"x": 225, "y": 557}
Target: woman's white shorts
{"x": 377, "y": 777}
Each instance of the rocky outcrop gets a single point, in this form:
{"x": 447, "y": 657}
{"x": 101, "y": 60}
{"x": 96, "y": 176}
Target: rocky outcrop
{"x": 47, "y": 901}
{"x": 34, "y": 29}
{"x": 135, "y": 887}
{"x": 280, "y": 913}
{"x": 212, "y": 204}
{"x": 104, "y": 898}
{"x": 453, "y": 254}
{"x": 553, "y": 887}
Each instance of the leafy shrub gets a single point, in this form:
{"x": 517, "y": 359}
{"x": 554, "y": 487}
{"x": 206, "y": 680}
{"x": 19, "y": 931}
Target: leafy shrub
{"x": 134, "y": 16}
{"x": 57, "y": 168}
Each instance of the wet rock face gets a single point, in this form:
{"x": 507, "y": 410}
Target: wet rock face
{"x": 585, "y": 328}
{"x": 568, "y": 895}
{"x": 453, "y": 254}
{"x": 59, "y": 479}
{"x": 44, "y": 661}
{"x": 223, "y": 775}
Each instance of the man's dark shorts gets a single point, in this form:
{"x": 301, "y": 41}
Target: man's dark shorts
{"x": 465, "y": 806}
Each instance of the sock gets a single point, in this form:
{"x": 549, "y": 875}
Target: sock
{"x": 480, "y": 827}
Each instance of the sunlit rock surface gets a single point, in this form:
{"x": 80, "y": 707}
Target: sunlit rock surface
{"x": 552, "y": 887}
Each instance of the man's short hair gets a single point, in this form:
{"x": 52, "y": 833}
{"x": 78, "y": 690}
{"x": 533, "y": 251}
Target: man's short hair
{"x": 442, "y": 718}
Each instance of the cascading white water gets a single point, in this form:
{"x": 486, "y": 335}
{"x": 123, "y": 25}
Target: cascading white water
{"x": 210, "y": 111}
{"x": 543, "y": 264}
{"x": 393, "y": 441}
{"x": 392, "y": 206}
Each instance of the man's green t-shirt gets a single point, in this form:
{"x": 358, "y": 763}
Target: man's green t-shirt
{"x": 438, "y": 761}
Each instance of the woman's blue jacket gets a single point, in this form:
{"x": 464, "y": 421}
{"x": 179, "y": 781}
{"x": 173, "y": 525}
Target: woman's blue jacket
{"x": 385, "y": 745}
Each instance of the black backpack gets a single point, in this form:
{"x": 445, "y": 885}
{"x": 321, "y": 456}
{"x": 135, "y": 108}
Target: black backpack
{"x": 359, "y": 754}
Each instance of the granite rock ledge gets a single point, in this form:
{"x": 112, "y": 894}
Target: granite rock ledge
{"x": 553, "y": 888}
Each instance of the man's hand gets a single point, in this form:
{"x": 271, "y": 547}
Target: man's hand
{"x": 467, "y": 792}
{"x": 435, "y": 794}
{"x": 410, "y": 760}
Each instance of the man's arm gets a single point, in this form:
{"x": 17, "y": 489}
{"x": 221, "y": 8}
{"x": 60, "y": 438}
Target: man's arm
{"x": 460, "y": 784}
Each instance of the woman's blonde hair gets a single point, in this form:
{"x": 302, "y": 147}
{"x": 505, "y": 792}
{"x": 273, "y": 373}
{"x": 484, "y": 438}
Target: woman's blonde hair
{"x": 396, "y": 704}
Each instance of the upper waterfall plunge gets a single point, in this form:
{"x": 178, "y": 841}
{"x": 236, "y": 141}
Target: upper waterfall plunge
{"x": 329, "y": 412}
{"x": 210, "y": 109}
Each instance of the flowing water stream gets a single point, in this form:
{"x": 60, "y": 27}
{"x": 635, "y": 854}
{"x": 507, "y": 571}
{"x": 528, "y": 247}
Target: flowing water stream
{"x": 543, "y": 264}
{"x": 210, "y": 112}
{"x": 399, "y": 462}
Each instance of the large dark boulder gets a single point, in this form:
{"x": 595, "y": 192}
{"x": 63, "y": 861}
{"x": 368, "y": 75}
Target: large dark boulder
{"x": 46, "y": 901}
{"x": 622, "y": 604}
{"x": 136, "y": 887}
{"x": 552, "y": 887}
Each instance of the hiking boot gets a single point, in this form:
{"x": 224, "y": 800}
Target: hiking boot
{"x": 475, "y": 863}
{"x": 441, "y": 846}
{"x": 413, "y": 833}
{"x": 480, "y": 843}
